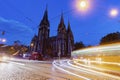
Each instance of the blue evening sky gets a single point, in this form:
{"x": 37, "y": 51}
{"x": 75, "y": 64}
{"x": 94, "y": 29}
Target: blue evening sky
{"x": 20, "y": 19}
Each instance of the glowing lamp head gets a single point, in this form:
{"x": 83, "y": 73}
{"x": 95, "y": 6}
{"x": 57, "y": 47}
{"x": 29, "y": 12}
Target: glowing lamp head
{"x": 114, "y": 12}
{"x": 32, "y": 44}
{"x": 82, "y": 5}
{"x": 3, "y": 40}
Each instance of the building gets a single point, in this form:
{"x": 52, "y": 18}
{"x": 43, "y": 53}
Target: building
{"x": 61, "y": 44}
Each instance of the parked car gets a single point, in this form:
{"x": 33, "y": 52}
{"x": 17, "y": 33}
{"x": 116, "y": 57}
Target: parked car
{"x": 35, "y": 56}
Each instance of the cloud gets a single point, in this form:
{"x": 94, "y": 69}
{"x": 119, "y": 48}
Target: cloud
{"x": 15, "y": 30}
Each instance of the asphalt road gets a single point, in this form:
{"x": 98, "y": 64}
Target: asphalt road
{"x": 30, "y": 70}
{"x": 19, "y": 69}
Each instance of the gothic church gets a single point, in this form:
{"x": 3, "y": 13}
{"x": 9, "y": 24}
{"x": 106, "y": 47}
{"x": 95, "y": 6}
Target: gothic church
{"x": 59, "y": 45}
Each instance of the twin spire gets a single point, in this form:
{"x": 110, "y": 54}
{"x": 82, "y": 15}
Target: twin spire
{"x": 61, "y": 25}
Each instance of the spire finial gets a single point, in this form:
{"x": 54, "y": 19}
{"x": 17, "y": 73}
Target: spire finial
{"x": 69, "y": 28}
{"x": 46, "y": 7}
{"x": 68, "y": 22}
{"x": 62, "y": 19}
{"x": 45, "y": 18}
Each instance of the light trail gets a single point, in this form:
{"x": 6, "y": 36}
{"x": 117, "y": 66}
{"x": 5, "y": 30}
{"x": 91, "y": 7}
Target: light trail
{"x": 82, "y": 70}
{"x": 17, "y": 63}
{"x": 89, "y": 66}
{"x": 85, "y": 70}
{"x": 30, "y": 61}
{"x": 112, "y": 47}
{"x": 82, "y": 77}
{"x": 94, "y": 70}
{"x": 101, "y": 62}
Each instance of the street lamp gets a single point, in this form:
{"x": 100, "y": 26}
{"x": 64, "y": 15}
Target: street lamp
{"x": 31, "y": 47}
{"x": 3, "y": 40}
{"x": 31, "y": 44}
{"x": 113, "y": 12}
{"x": 82, "y": 5}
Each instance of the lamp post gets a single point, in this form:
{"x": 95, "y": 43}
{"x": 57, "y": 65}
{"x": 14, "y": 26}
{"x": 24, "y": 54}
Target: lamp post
{"x": 31, "y": 47}
{"x": 59, "y": 53}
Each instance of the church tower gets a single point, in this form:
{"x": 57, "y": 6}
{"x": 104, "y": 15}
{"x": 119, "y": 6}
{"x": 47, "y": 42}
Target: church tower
{"x": 70, "y": 40}
{"x": 43, "y": 33}
{"x": 54, "y": 46}
{"x": 61, "y": 37}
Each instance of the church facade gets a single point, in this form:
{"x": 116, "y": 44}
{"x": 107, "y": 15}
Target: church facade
{"x": 59, "y": 45}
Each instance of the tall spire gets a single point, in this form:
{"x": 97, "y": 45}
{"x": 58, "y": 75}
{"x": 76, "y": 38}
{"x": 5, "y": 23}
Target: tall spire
{"x": 45, "y": 18}
{"x": 69, "y": 28}
{"x": 61, "y": 26}
{"x": 62, "y": 19}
